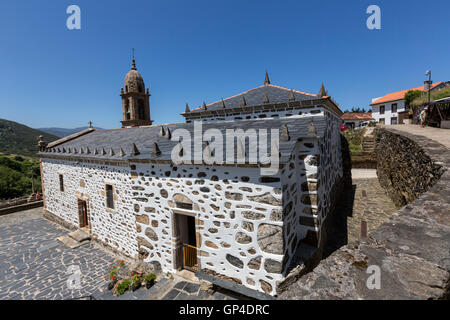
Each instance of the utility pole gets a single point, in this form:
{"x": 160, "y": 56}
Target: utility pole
{"x": 428, "y": 73}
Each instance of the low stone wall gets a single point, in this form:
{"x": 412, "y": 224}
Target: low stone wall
{"x": 404, "y": 169}
{"x": 20, "y": 206}
{"x": 412, "y": 250}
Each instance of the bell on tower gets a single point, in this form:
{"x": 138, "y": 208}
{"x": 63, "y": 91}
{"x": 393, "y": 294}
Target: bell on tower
{"x": 135, "y": 100}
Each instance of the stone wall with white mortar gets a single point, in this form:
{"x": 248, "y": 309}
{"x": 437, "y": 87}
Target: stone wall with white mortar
{"x": 308, "y": 182}
{"x": 248, "y": 226}
{"x": 238, "y": 213}
{"x": 236, "y": 210}
{"x": 114, "y": 227}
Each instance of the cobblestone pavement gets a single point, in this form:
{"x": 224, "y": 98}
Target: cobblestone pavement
{"x": 34, "y": 265}
{"x": 365, "y": 201}
{"x": 371, "y": 204}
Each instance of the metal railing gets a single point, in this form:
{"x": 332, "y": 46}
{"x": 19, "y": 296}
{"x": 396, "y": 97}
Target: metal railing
{"x": 190, "y": 257}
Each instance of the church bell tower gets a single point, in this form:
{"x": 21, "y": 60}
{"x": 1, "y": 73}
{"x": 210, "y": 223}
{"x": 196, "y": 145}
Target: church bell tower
{"x": 135, "y": 100}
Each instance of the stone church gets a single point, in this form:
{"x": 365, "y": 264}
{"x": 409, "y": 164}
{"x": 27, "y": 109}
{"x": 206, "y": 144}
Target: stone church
{"x": 229, "y": 220}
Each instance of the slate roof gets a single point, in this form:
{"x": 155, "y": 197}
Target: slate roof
{"x": 265, "y": 94}
{"x": 145, "y": 137}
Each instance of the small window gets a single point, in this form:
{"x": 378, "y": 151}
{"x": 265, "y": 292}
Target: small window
{"x": 394, "y": 107}
{"x": 61, "y": 183}
{"x": 141, "y": 113}
{"x": 394, "y": 120}
{"x": 109, "y": 196}
{"x": 381, "y": 109}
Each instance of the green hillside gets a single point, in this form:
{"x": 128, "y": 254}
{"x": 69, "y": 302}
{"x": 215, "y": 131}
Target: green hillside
{"x": 18, "y": 139}
{"x": 19, "y": 177}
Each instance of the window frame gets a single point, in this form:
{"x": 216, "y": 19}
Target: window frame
{"x": 382, "y": 108}
{"x": 392, "y": 107}
{"x": 108, "y": 200}
{"x": 61, "y": 182}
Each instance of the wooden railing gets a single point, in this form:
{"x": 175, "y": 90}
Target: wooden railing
{"x": 189, "y": 257}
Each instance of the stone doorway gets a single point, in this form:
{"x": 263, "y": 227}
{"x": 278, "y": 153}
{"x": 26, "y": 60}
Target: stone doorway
{"x": 185, "y": 241}
{"x": 83, "y": 215}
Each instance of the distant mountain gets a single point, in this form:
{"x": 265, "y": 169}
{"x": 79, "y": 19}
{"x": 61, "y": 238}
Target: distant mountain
{"x": 62, "y": 132}
{"x": 16, "y": 138}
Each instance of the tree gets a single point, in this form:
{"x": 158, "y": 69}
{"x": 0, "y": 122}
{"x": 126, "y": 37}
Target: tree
{"x": 410, "y": 96}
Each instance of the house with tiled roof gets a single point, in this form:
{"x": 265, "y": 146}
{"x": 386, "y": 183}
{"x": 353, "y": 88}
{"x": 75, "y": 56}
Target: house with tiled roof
{"x": 390, "y": 109}
{"x": 244, "y": 211}
{"x": 356, "y": 119}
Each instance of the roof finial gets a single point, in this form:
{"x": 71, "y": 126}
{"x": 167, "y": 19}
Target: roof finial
{"x": 322, "y": 91}
{"x": 312, "y": 129}
{"x": 133, "y": 67}
{"x": 187, "y": 108}
{"x": 291, "y": 95}
{"x": 90, "y": 124}
{"x": 285, "y": 134}
{"x": 243, "y": 102}
{"x": 156, "y": 152}
{"x": 266, "y": 80}
{"x": 134, "y": 150}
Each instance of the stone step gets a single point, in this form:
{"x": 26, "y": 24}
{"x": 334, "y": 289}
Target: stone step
{"x": 79, "y": 236}
{"x": 70, "y": 242}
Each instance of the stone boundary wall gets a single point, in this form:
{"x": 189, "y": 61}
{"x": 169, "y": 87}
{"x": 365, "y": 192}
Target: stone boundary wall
{"x": 21, "y": 207}
{"x": 404, "y": 169}
{"x": 412, "y": 249}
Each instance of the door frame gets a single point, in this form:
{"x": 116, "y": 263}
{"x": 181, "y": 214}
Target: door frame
{"x": 81, "y": 223}
{"x": 177, "y": 246}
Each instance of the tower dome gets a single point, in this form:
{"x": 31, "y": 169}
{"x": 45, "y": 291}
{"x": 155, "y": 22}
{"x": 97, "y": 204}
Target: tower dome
{"x": 134, "y": 81}
{"x": 135, "y": 100}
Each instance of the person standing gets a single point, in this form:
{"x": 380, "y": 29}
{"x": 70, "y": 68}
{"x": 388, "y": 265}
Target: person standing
{"x": 422, "y": 118}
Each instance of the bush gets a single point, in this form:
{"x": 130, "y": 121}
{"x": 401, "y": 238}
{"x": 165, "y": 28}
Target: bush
{"x": 136, "y": 278}
{"x": 122, "y": 286}
{"x": 150, "y": 277}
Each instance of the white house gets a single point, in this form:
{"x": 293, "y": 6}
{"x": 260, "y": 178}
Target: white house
{"x": 389, "y": 108}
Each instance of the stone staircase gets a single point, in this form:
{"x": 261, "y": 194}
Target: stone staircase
{"x": 368, "y": 144}
{"x": 75, "y": 239}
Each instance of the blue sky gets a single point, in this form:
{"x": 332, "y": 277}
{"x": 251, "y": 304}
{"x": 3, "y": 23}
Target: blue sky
{"x": 195, "y": 51}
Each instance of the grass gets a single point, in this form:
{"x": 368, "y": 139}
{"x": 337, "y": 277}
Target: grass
{"x": 355, "y": 138}
{"x": 436, "y": 95}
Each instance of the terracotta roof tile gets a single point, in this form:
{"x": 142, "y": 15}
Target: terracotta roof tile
{"x": 356, "y": 116}
{"x": 398, "y": 95}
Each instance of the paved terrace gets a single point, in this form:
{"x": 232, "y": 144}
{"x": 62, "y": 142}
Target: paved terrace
{"x": 34, "y": 265}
